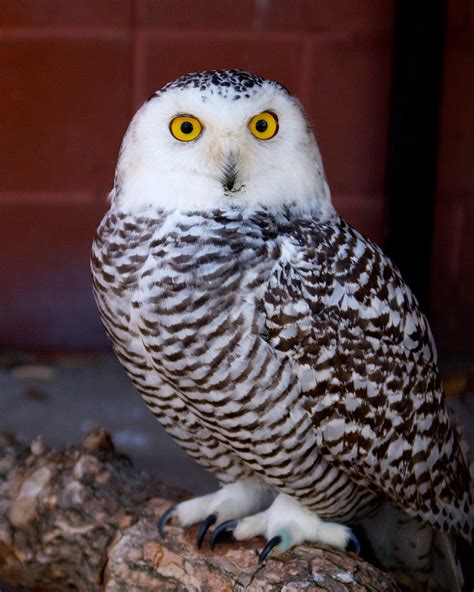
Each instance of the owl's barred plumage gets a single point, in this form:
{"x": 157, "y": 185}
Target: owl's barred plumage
{"x": 271, "y": 339}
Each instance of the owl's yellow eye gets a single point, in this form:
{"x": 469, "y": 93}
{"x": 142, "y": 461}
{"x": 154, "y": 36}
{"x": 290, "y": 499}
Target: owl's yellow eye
{"x": 264, "y": 126}
{"x": 185, "y": 128}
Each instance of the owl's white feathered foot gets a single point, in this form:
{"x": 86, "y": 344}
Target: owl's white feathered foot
{"x": 287, "y": 523}
{"x": 232, "y": 501}
{"x": 248, "y": 509}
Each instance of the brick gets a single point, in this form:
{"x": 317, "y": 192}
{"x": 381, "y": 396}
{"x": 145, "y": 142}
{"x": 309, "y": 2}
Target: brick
{"x": 46, "y": 197}
{"x": 447, "y": 240}
{"x": 46, "y": 296}
{"x": 347, "y": 15}
{"x": 364, "y": 213}
{"x": 347, "y": 99}
{"x": 189, "y": 14}
{"x": 457, "y": 15}
{"x": 66, "y": 106}
{"x": 456, "y": 149}
{"x": 307, "y": 15}
{"x": 452, "y": 285}
{"x": 465, "y": 302}
{"x": 166, "y": 57}
{"x": 36, "y": 13}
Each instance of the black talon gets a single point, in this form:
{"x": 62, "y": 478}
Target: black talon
{"x": 275, "y": 541}
{"x": 353, "y": 543}
{"x": 220, "y": 529}
{"x": 164, "y": 519}
{"x": 208, "y": 522}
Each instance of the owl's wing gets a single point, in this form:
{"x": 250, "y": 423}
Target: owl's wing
{"x": 338, "y": 307}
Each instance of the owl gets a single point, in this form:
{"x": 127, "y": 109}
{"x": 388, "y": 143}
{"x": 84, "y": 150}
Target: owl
{"x": 278, "y": 346}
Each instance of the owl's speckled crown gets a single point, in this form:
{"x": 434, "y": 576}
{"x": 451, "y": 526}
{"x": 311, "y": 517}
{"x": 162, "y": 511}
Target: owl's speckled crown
{"x": 233, "y": 84}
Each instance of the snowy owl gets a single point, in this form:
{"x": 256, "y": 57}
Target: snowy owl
{"x": 278, "y": 346}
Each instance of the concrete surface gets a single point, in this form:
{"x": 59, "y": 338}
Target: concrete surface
{"x": 63, "y": 396}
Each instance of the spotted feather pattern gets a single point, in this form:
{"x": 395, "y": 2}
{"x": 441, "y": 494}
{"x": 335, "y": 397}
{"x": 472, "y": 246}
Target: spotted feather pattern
{"x": 273, "y": 344}
{"x": 231, "y": 84}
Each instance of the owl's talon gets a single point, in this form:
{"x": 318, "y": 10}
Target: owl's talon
{"x": 271, "y": 544}
{"x": 164, "y": 519}
{"x": 221, "y": 529}
{"x": 208, "y": 522}
{"x": 353, "y": 544}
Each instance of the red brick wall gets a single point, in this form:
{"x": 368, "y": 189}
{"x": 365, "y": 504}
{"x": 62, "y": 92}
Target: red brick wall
{"x": 73, "y": 73}
{"x": 452, "y": 301}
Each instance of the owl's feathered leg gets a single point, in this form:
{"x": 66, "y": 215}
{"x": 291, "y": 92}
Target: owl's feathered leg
{"x": 233, "y": 501}
{"x": 287, "y": 523}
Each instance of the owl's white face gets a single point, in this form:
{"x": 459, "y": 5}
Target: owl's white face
{"x": 226, "y": 164}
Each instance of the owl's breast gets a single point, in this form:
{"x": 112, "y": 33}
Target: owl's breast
{"x": 181, "y": 297}
{"x": 196, "y": 301}
{"x": 190, "y": 312}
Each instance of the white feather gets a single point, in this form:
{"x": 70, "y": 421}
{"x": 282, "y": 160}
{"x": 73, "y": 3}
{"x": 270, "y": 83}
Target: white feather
{"x": 155, "y": 169}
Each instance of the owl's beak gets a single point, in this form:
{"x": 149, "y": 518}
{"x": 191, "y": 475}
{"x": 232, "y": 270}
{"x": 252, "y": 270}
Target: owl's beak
{"x": 229, "y": 172}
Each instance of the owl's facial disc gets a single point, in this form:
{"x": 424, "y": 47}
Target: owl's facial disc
{"x": 213, "y": 140}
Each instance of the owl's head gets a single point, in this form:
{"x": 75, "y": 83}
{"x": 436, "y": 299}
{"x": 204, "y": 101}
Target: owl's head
{"x": 220, "y": 138}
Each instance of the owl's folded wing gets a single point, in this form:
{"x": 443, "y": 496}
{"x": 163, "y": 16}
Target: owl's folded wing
{"x": 339, "y": 308}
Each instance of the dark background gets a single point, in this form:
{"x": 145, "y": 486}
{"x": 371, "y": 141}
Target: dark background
{"x": 73, "y": 73}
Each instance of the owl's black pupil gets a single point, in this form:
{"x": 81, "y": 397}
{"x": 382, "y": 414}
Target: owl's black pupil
{"x": 187, "y": 127}
{"x": 261, "y": 126}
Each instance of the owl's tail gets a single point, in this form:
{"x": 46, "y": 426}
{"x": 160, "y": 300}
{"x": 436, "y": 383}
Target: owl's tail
{"x": 418, "y": 557}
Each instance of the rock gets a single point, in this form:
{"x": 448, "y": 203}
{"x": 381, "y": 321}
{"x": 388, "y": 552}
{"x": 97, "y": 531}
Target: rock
{"x": 82, "y": 518}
